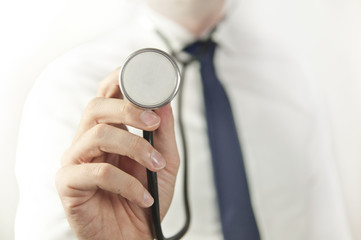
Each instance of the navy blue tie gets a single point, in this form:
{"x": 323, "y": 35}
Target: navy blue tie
{"x": 238, "y": 221}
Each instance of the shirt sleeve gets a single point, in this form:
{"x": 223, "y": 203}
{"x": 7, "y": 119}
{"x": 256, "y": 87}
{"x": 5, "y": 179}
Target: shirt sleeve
{"x": 50, "y": 118}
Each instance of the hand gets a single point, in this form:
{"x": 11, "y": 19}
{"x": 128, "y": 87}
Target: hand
{"x": 102, "y": 179}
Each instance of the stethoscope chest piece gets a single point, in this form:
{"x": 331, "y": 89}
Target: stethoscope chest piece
{"x": 149, "y": 78}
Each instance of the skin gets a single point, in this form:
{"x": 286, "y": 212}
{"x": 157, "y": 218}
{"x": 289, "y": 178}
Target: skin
{"x": 102, "y": 181}
{"x": 198, "y": 16}
{"x": 102, "y": 178}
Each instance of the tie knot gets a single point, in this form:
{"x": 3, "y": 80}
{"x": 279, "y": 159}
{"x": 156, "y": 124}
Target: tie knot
{"x": 199, "y": 48}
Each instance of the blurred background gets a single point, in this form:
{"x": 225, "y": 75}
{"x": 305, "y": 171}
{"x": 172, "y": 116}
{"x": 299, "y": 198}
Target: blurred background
{"x": 33, "y": 33}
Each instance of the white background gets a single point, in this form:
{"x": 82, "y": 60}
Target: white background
{"x": 33, "y": 33}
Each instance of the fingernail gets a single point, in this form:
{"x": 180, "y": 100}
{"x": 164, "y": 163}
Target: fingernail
{"x": 149, "y": 118}
{"x": 148, "y": 200}
{"x": 157, "y": 160}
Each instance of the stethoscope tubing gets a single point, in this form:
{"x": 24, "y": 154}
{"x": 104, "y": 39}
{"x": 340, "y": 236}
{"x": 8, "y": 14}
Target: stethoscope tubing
{"x": 153, "y": 190}
{"x": 152, "y": 176}
{"x": 153, "y": 182}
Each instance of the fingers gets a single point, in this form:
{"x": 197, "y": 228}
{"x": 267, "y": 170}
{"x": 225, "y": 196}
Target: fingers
{"x": 109, "y": 87}
{"x": 117, "y": 111}
{"x": 165, "y": 141}
{"x": 104, "y": 138}
{"x": 73, "y": 180}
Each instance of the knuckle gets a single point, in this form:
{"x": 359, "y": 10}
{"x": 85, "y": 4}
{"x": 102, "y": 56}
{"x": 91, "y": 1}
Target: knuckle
{"x": 128, "y": 112}
{"x": 136, "y": 144}
{"x": 92, "y": 107}
{"x": 100, "y": 130}
{"x": 139, "y": 150}
{"x": 133, "y": 187}
{"x": 102, "y": 170}
{"x": 127, "y": 109}
{"x": 94, "y": 102}
{"x": 124, "y": 107}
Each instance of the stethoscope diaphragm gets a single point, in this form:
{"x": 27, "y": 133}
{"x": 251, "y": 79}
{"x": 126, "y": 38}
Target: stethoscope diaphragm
{"x": 149, "y": 78}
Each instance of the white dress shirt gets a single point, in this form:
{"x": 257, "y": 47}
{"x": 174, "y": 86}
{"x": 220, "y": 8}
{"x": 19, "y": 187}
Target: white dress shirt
{"x": 283, "y": 128}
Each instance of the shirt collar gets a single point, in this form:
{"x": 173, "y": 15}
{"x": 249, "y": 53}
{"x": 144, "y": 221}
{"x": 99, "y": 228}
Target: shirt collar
{"x": 175, "y": 34}
{"x": 178, "y": 36}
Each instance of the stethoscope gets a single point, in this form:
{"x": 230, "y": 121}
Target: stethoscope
{"x": 150, "y": 79}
